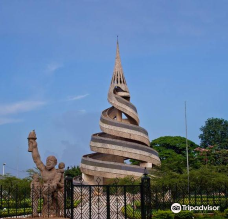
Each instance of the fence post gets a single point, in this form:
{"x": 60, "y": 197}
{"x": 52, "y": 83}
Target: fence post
{"x": 72, "y": 198}
{"x": 146, "y": 209}
{"x": 68, "y": 194}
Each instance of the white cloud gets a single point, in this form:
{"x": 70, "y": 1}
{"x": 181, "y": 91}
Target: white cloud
{"x": 8, "y": 120}
{"x": 52, "y": 67}
{"x": 77, "y": 97}
{"x": 19, "y": 107}
{"x": 82, "y": 111}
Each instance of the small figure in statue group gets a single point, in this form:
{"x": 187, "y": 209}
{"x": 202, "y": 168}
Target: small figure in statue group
{"x": 52, "y": 179}
{"x": 60, "y": 185}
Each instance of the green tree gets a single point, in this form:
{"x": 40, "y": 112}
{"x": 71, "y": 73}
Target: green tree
{"x": 214, "y": 132}
{"x": 12, "y": 182}
{"x": 200, "y": 176}
{"x": 212, "y": 155}
{"x": 73, "y": 171}
{"x": 172, "y": 152}
{"x": 31, "y": 172}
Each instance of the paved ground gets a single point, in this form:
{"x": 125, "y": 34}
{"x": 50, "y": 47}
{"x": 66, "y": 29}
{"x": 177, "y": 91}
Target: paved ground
{"x": 99, "y": 207}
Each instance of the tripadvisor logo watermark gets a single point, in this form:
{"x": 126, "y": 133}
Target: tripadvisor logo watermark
{"x": 176, "y": 208}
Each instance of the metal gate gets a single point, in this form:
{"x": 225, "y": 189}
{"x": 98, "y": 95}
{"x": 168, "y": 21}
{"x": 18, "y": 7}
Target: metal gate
{"x": 107, "y": 201}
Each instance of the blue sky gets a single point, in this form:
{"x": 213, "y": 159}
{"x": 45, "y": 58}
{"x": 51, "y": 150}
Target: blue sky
{"x": 57, "y": 58}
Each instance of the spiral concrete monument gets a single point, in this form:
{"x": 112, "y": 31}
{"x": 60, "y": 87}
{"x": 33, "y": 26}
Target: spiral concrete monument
{"x": 121, "y": 138}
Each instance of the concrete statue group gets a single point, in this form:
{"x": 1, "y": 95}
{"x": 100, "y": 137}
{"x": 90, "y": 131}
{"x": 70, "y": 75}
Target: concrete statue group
{"x": 50, "y": 187}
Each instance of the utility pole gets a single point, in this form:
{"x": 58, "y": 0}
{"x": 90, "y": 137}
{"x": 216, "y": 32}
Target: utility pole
{"x": 17, "y": 160}
{"x": 3, "y": 169}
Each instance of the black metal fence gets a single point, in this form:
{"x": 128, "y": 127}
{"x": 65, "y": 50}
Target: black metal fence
{"x": 163, "y": 196}
{"x": 108, "y": 201}
{"x": 17, "y": 201}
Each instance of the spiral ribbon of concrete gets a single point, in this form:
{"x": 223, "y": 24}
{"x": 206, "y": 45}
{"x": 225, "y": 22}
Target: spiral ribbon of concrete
{"x": 121, "y": 138}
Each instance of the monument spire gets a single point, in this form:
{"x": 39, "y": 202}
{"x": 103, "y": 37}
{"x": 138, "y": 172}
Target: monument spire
{"x": 118, "y": 78}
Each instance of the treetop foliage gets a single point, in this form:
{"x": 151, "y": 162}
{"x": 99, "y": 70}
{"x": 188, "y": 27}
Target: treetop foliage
{"x": 215, "y": 133}
{"x": 172, "y": 152}
{"x": 204, "y": 176}
{"x": 73, "y": 171}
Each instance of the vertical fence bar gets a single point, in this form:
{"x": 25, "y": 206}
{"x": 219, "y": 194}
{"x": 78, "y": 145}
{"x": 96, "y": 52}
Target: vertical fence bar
{"x": 32, "y": 190}
{"x": 195, "y": 195}
{"x": 1, "y": 196}
{"x": 226, "y": 195}
{"x": 156, "y": 191}
{"x": 72, "y": 198}
{"x": 90, "y": 202}
{"x": 48, "y": 199}
{"x": 142, "y": 201}
{"x": 146, "y": 210}
{"x": 170, "y": 194}
{"x": 24, "y": 199}
{"x": 108, "y": 202}
{"x": 189, "y": 194}
{"x": 16, "y": 193}
{"x": 8, "y": 202}
{"x": 175, "y": 193}
{"x": 163, "y": 197}
{"x": 201, "y": 196}
{"x": 65, "y": 196}
{"x": 40, "y": 196}
{"x": 117, "y": 204}
{"x": 125, "y": 202}
{"x": 134, "y": 201}
{"x": 213, "y": 196}
{"x": 219, "y": 195}
{"x": 183, "y": 194}
{"x": 98, "y": 201}
{"x": 57, "y": 211}
{"x": 81, "y": 200}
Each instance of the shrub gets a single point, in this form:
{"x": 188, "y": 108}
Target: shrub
{"x": 208, "y": 216}
{"x": 226, "y": 213}
{"x": 131, "y": 213}
{"x": 163, "y": 215}
{"x": 218, "y": 217}
{"x": 184, "y": 215}
{"x": 223, "y": 205}
{"x": 25, "y": 203}
{"x": 14, "y": 212}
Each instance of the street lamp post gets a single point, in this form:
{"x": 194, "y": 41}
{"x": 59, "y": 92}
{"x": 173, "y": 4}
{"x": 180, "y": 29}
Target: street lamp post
{"x": 3, "y": 169}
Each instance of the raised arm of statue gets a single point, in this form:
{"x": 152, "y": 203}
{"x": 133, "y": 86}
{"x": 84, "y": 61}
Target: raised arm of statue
{"x": 34, "y": 149}
{"x": 37, "y": 159}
